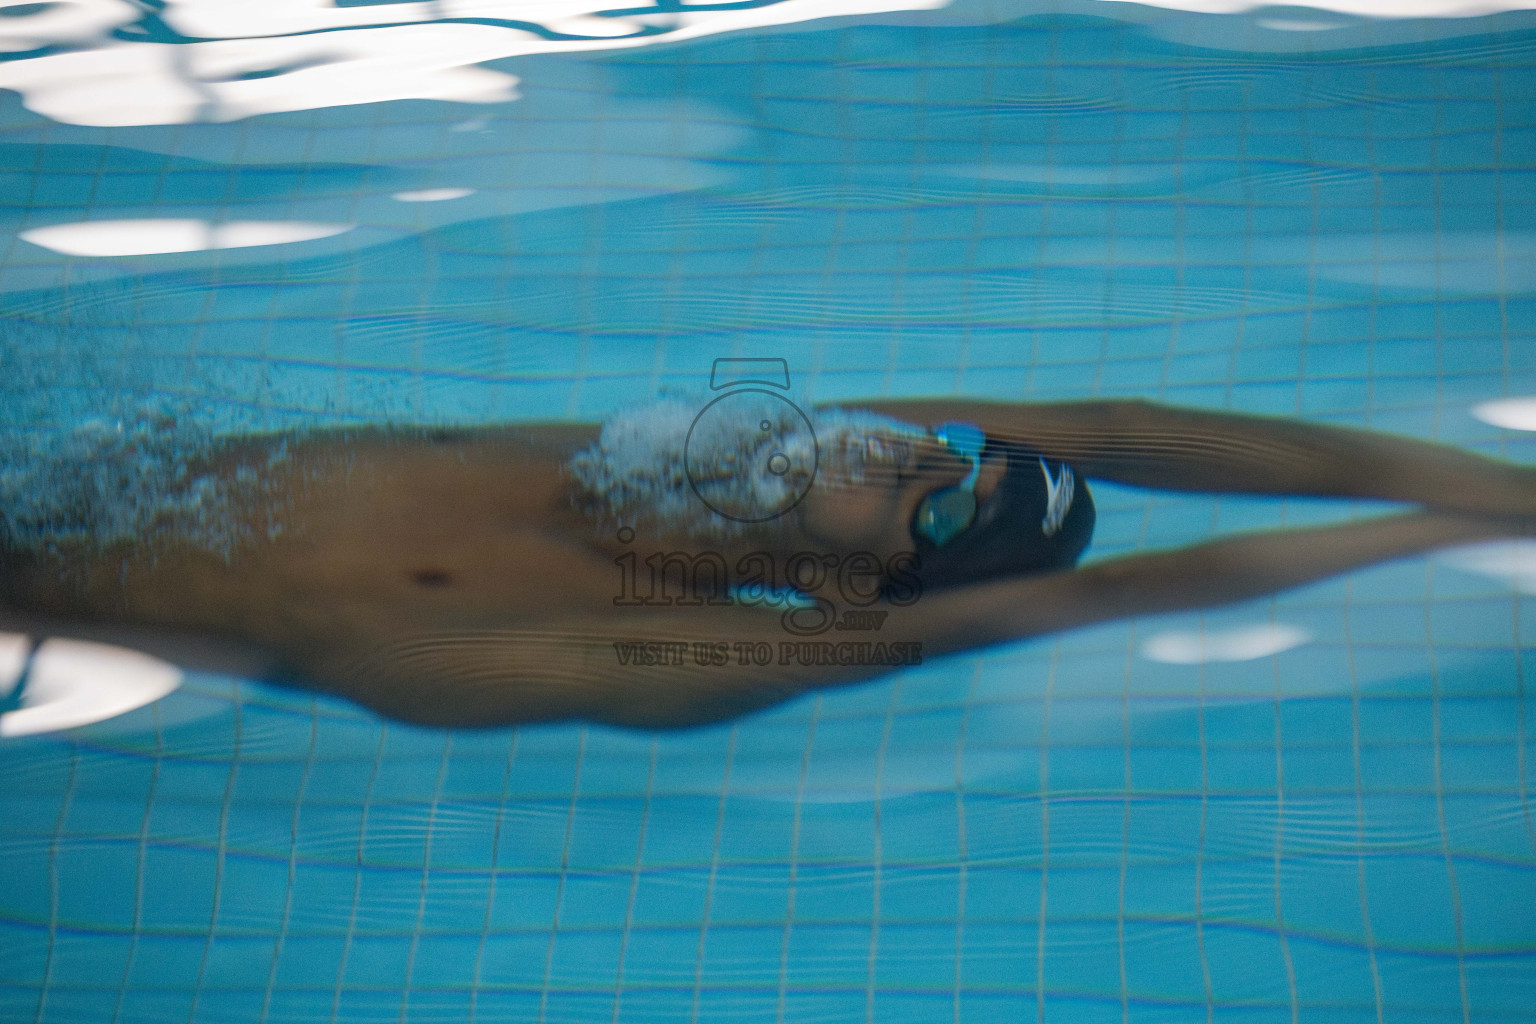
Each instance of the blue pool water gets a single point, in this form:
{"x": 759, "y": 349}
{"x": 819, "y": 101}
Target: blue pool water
{"x": 1297, "y": 212}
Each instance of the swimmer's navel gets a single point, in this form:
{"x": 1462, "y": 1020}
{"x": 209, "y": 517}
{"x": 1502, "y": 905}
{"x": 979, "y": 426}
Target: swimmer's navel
{"x": 431, "y": 578}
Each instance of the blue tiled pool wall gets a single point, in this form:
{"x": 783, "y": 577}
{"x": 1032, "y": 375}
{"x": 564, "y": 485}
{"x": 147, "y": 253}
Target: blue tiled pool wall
{"x": 1058, "y": 830}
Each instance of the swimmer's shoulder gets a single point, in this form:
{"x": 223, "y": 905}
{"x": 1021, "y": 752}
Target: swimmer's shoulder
{"x": 559, "y": 440}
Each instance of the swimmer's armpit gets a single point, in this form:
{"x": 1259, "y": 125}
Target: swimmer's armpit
{"x": 1147, "y": 444}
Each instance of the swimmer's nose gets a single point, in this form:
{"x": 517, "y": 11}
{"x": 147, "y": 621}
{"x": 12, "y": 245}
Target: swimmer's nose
{"x": 992, "y": 470}
{"x": 939, "y": 466}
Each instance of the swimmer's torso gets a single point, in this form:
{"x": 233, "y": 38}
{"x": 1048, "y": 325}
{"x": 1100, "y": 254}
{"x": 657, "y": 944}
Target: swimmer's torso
{"x": 364, "y": 543}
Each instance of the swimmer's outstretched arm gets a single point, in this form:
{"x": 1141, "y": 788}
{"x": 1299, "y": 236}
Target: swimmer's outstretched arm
{"x": 1147, "y": 444}
{"x": 574, "y": 669}
{"x": 1212, "y": 573}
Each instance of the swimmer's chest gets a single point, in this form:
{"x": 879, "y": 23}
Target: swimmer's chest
{"x": 469, "y": 531}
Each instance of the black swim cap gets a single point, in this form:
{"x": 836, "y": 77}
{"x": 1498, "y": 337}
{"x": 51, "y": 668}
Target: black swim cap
{"x": 1008, "y": 537}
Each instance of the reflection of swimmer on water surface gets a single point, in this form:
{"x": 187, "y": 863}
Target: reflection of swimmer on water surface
{"x": 500, "y": 575}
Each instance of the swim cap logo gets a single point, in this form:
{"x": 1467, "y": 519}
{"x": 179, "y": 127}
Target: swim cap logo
{"x": 751, "y": 454}
{"x": 1059, "y": 491}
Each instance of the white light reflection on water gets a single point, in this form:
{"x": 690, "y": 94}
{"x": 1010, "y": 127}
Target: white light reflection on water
{"x": 432, "y": 195}
{"x": 1511, "y": 560}
{"x": 74, "y": 682}
{"x": 1244, "y": 643}
{"x": 240, "y": 61}
{"x": 235, "y": 60}
{"x": 160, "y": 235}
{"x": 1509, "y": 413}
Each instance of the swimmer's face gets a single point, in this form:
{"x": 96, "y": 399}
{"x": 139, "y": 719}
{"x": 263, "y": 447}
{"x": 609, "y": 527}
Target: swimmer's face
{"x": 876, "y": 514}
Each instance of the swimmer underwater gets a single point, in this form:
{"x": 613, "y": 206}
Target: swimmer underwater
{"x": 493, "y": 576}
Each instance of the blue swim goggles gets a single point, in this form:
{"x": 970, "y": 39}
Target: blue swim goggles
{"x": 947, "y": 513}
